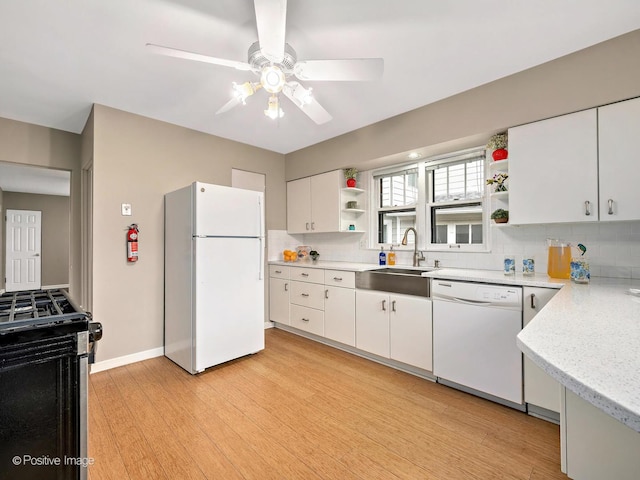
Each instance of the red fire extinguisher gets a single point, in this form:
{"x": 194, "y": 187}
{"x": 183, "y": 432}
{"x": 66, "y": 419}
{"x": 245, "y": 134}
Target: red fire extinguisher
{"x": 132, "y": 243}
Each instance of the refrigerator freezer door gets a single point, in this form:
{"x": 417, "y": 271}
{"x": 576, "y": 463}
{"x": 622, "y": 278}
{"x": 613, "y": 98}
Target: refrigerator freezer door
{"x": 228, "y": 212}
{"x": 229, "y": 300}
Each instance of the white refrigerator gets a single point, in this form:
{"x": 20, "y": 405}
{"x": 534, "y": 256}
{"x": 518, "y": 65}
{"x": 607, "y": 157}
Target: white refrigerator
{"x": 214, "y": 275}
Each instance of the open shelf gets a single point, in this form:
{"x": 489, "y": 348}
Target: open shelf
{"x": 500, "y": 194}
{"x": 499, "y": 165}
{"x": 355, "y": 190}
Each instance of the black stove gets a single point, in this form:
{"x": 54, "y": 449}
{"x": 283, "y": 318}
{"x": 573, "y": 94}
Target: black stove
{"x": 46, "y": 342}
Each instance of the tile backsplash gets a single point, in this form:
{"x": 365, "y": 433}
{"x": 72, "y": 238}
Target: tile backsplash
{"x": 613, "y": 249}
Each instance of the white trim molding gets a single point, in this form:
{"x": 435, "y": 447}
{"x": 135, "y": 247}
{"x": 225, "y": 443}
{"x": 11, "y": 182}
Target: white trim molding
{"x": 126, "y": 359}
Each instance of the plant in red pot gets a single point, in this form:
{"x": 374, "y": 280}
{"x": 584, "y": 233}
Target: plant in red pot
{"x": 500, "y": 215}
{"x": 498, "y": 143}
{"x": 350, "y": 175}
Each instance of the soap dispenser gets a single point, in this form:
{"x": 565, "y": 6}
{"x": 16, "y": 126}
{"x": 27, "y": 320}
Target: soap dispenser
{"x": 391, "y": 256}
{"x": 382, "y": 257}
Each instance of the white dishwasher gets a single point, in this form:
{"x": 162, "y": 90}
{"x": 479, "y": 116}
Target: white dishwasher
{"x": 474, "y": 339}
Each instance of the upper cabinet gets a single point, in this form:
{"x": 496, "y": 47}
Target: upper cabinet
{"x": 618, "y": 150}
{"x": 553, "y": 170}
{"x": 579, "y": 167}
{"x": 319, "y": 204}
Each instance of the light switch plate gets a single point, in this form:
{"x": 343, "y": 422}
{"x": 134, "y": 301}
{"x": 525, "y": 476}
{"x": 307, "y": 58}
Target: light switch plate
{"x": 126, "y": 209}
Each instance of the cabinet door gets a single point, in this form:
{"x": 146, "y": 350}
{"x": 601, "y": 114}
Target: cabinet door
{"x": 299, "y": 206}
{"x": 340, "y": 315}
{"x": 619, "y": 144}
{"x": 325, "y": 201}
{"x": 410, "y": 331}
{"x": 539, "y": 388}
{"x": 372, "y": 322}
{"x": 553, "y": 170}
{"x": 279, "y": 300}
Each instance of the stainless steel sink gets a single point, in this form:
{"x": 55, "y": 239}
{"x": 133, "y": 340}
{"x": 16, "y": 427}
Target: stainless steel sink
{"x": 396, "y": 280}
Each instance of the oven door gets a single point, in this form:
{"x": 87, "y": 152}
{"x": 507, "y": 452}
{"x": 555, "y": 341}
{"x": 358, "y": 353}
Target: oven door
{"x": 43, "y": 406}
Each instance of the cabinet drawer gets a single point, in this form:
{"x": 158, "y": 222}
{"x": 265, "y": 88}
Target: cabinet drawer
{"x": 307, "y": 294}
{"x": 340, "y": 278}
{"x": 278, "y": 271}
{"x": 307, "y": 319}
{"x": 313, "y": 275}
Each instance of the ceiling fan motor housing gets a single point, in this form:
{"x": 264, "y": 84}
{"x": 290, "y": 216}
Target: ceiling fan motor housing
{"x": 258, "y": 61}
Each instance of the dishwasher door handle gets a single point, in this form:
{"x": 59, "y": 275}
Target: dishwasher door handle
{"x": 471, "y": 302}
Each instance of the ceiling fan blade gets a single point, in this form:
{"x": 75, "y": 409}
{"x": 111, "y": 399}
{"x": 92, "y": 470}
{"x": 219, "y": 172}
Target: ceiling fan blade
{"x": 345, "y": 70}
{"x": 174, "y": 52}
{"x": 234, "y": 102}
{"x": 271, "y": 19}
{"x": 309, "y": 105}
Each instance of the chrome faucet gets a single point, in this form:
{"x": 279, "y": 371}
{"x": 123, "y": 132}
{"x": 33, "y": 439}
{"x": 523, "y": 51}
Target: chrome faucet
{"x": 416, "y": 259}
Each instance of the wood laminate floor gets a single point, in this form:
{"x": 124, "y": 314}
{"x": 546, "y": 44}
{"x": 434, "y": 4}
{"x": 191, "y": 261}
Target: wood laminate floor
{"x": 302, "y": 410}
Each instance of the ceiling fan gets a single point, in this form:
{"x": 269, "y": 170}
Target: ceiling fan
{"x": 276, "y": 64}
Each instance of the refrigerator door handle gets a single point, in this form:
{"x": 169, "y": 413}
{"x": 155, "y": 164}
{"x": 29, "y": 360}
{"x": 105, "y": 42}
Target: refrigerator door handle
{"x": 261, "y": 274}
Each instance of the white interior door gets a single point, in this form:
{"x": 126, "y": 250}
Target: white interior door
{"x": 23, "y": 241}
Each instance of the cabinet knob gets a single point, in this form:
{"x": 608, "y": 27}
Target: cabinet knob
{"x": 384, "y": 305}
{"x": 587, "y": 208}
{"x": 533, "y": 297}
{"x": 304, "y": 319}
{"x": 286, "y": 287}
{"x": 307, "y": 225}
{"x": 393, "y": 306}
{"x": 278, "y": 271}
{"x": 304, "y": 274}
{"x": 610, "y": 203}
{"x": 313, "y": 225}
{"x": 326, "y": 293}
{"x": 337, "y": 279}
{"x": 304, "y": 294}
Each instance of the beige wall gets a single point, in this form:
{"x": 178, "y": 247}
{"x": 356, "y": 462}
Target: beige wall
{"x": 137, "y": 160}
{"x": 55, "y": 232}
{"x": 2, "y": 252}
{"x": 604, "y": 73}
{"x": 46, "y": 147}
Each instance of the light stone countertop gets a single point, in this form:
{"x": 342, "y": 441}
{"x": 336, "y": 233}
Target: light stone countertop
{"x": 347, "y": 266}
{"x": 496, "y": 277}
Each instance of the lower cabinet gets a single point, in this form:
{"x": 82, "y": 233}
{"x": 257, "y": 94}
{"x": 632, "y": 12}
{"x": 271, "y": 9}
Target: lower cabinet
{"x": 279, "y": 287}
{"x": 307, "y": 319}
{"x": 340, "y": 315}
{"x": 394, "y": 326}
{"x": 410, "y": 331}
{"x": 539, "y": 388}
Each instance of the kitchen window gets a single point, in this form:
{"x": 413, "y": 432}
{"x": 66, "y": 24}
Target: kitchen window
{"x": 396, "y": 201}
{"x": 455, "y": 211}
{"x": 441, "y": 197}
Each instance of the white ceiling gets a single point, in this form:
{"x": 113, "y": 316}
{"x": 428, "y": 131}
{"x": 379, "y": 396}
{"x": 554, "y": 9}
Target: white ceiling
{"x": 57, "y": 58}
{"x": 29, "y": 179}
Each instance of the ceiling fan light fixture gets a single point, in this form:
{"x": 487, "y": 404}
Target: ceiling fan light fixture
{"x": 298, "y": 94}
{"x": 243, "y": 91}
{"x": 274, "y": 111}
{"x": 272, "y": 79}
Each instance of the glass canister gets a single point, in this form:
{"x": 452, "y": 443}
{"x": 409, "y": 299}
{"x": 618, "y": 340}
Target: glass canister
{"x": 559, "y": 262}
{"x": 580, "y": 270}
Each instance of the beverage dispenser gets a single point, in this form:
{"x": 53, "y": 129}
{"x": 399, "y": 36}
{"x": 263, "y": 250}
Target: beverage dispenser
{"x": 559, "y": 262}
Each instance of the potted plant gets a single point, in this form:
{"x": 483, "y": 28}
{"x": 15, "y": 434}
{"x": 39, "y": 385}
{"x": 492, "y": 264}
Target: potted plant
{"x": 314, "y": 255}
{"x": 498, "y": 181}
{"x": 350, "y": 175}
{"x": 498, "y": 143}
{"x": 500, "y": 215}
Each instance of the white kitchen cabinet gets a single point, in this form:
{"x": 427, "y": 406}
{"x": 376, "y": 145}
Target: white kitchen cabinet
{"x": 553, "y": 170}
{"x": 299, "y": 205}
{"x": 279, "y": 286}
{"x": 307, "y": 294}
{"x": 340, "y": 314}
{"x": 313, "y": 203}
{"x": 395, "y": 326}
{"x": 539, "y": 388}
{"x": 279, "y": 300}
{"x": 619, "y": 147}
{"x": 372, "y": 322}
{"x": 307, "y": 319}
{"x": 410, "y": 331}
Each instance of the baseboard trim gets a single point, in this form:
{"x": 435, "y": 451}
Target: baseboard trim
{"x": 126, "y": 359}
{"x": 54, "y": 287}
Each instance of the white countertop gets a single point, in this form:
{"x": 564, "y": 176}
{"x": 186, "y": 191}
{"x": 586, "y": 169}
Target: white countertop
{"x": 348, "y": 266}
{"x": 497, "y": 277}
